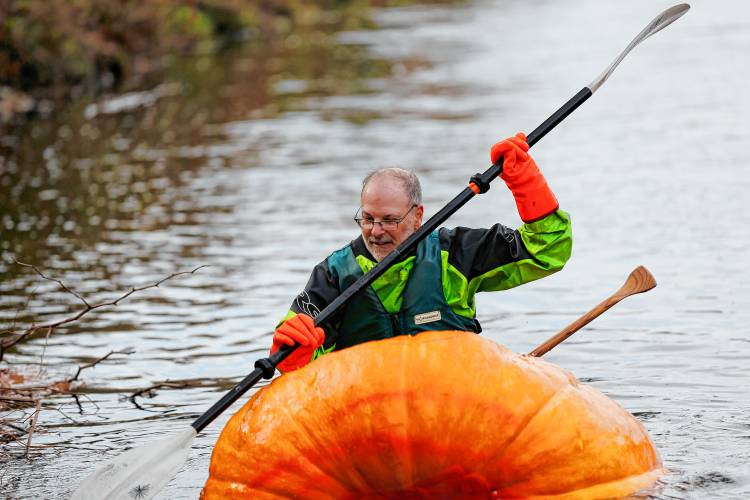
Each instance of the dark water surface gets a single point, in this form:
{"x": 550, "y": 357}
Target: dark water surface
{"x": 251, "y": 163}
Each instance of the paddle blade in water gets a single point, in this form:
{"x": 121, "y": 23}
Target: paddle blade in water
{"x": 139, "y": 473}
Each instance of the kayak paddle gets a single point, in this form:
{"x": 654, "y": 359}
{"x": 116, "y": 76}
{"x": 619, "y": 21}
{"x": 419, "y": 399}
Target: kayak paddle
{"x": 142, "y": 472}
{"x": 640, "y": 280}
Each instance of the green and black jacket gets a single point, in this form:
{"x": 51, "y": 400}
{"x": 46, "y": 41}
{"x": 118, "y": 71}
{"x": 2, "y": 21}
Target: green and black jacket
{"x": 434, "y": 287}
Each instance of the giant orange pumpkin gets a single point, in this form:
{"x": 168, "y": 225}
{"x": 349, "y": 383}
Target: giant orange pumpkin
{"x": 437, "y": 415}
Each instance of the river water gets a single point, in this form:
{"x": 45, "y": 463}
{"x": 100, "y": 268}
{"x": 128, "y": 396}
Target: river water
{"x": 250, "y": 163}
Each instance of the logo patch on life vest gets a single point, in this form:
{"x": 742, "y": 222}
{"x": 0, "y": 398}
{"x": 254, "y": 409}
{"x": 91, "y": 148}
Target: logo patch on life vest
{"x": 430, "y": 317}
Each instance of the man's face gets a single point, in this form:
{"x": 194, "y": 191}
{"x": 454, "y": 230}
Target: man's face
{"x": 384, "y": 198}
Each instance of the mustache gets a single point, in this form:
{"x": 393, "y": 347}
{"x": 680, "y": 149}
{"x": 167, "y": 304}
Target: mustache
{"x": 382, "y": 239}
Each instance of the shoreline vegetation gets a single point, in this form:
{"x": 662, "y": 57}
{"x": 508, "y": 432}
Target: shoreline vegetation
{"x": 60, "y": 50}
{"x": 57, "y": 52}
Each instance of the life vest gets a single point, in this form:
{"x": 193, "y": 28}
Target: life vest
{"x": 423, "y": 308}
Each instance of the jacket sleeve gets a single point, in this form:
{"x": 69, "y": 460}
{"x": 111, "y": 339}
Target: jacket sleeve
{"x": 500, "y": 258}
{"x": 321, "y": 289}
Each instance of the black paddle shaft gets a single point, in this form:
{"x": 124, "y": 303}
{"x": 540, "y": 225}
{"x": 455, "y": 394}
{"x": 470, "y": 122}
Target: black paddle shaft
{"x": 266, "y": 367}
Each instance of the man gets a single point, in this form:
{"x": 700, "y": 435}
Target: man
{"x": 433, "y": 288}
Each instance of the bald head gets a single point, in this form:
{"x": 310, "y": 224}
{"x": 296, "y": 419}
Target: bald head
{"x": 404, "y": 179}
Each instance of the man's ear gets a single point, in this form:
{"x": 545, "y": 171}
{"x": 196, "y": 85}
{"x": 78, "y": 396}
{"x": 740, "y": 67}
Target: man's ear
{"x": 419, "y": 213}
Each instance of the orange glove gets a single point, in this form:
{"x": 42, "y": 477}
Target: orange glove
{"x": 298, "y": 329}
{"x": 534, "y": 198}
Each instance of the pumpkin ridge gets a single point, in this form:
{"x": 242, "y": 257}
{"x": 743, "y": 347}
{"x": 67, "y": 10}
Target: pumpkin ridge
{"x": 406, "y": 372}
{"x": 524, "y": 422}
{"x": 311, "y": 434}
{"x": 521, "y": 429}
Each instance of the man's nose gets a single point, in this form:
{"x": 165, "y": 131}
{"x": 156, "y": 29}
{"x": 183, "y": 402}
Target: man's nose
{"x": 377, "y": 229}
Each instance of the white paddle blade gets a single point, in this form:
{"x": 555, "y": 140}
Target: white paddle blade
{"x": 139, "y": 473}
{"x": 664, "y": 19}
{"x": 657, "y": 24}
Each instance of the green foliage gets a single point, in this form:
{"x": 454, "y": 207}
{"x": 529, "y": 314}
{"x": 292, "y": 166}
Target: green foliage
{"x": 95, "y": 43}
{"x": 189, "y": 22}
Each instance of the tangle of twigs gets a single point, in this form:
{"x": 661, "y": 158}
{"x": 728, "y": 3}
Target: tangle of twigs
{"x": 17, "y": 396}
{"x": 16, "y": 337}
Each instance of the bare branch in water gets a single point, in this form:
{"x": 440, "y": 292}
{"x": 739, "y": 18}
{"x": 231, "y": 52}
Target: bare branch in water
{"x": 17, "y": 399}
{"x": 12, "y": 428}
{"x": 96, "y": 362}
{"x": 17, "y": 395}
{"x": 17, "y": 337}
{"x": 33, "y": 426}
{"x": 149, "y": 391}
{"x": 62, "y": 285}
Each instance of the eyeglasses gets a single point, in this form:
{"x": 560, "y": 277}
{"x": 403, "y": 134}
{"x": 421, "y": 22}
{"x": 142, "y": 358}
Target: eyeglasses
{"x": 390, "y": 224}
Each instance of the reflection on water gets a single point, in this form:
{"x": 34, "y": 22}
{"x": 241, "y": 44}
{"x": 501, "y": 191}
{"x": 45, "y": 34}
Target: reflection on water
{"x": 122, "y": 164}
{"x": 250, "y": 163}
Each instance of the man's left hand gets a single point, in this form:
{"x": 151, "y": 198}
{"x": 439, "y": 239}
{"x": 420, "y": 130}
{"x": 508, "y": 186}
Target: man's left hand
{"x": 534, "y": 198}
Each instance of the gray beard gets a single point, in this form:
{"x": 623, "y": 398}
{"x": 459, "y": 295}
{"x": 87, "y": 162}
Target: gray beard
{"x": 372, "y": 251}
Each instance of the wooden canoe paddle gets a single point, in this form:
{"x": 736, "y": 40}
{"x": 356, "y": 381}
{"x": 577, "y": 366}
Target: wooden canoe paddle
{"x": 639, "y": 281}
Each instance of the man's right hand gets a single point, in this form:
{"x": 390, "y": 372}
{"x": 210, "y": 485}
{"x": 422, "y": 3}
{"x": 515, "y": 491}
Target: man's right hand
{"x": 298, "y": 329}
